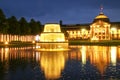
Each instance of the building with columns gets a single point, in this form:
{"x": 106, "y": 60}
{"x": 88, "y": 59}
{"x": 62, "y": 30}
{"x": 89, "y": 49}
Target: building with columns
{"x": 100, "y": 29}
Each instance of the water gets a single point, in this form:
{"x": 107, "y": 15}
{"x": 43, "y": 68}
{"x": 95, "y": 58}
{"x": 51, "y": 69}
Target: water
{"x": 79, "y": 63}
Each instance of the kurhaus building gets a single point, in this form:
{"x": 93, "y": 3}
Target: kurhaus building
{"x": 100, "y": 29}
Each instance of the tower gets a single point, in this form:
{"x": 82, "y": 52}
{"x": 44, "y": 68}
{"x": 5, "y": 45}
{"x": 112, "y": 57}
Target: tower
{"x": 100, "y": 28}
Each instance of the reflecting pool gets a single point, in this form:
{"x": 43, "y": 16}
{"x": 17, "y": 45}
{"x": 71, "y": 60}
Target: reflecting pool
{"x": 79, "y": 63}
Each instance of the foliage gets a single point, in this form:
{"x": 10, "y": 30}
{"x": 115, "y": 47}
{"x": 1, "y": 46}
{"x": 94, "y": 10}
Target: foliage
{"x": 19, "y": 27}
{"x": 35, "y": 27}
{"x": 14, "y": 26}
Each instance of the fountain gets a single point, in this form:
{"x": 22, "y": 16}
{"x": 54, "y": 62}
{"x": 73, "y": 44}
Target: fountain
{"x": 52, "y": 39}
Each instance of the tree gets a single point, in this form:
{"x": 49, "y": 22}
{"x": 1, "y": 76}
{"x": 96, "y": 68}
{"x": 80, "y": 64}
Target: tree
{"x": 35, "y": 27}
{"x": 2, "y": 16}
{"x": 14, "y": 26}
{"x": 24, "y": 27}
{"x": 21, "y": 27}
{"x": 5, "y": 27}
{"x": 3, "y": 22}
{"x": 41, "y": 27}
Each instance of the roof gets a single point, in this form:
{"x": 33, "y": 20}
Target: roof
{"x": 76, "y": 26}
{"x": 101, "y": 17}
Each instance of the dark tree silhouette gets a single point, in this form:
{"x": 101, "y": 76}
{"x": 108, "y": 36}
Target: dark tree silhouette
{"x": 14, "y": 26}
{"x": 24, "y": 27}
{"x": 21, "y": 27}
{"x": 35, "y": 27}
{"x": 3, "y": 22}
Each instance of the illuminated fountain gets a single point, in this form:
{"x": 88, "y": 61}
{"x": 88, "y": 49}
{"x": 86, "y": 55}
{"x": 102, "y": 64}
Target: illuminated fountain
{"x": 52, "y": 39}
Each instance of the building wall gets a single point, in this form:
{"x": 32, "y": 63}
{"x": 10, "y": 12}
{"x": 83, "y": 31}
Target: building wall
{"x": 111, "y": 32}
{"x": 100, "y": 31}
{"x": 9, "y": 38}
{"x": 78, "y": 34}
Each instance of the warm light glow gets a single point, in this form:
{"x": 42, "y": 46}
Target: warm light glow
{"x": 52, "y": 38}
{"x": 37, "y": 47}
{"x": 6, "y": 53}
{"x": 113, "y": 55}
{"x": 6, "y": 42}
{"x": 52, "y": 28}
{"x": 37, "y": 56}
{"x": 100, "y": 30}
{"x": 83, "y": 30}
{"x": 52, "y": 64}
{"x": 33, "y": 41}
{"x": 52, "y": 33}
{"x": 83, "y": 51}
{"x": 99, "y": 57}
{"x": 94, "y": 38}
{"x": 113, "y": 29}
{"x": 37, "y": 38}
{"x": 100, "y": 16}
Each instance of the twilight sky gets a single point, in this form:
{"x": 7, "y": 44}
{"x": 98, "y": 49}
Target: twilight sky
{"x": 69, "y": 11}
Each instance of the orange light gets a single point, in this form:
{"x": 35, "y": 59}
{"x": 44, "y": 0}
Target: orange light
{"x": 6, "y": 42}
{"x": 37, "y": 38}
{"x": 33, "y": 41}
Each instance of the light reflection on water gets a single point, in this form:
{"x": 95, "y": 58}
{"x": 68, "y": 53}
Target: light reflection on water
{"x": 52, "y": 63}
{"x": 81, "y": 62}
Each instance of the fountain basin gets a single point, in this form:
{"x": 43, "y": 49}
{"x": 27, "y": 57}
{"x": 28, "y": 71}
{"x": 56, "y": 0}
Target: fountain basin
{"x": 52, "y": 39}
{"x": 52, "y": 46}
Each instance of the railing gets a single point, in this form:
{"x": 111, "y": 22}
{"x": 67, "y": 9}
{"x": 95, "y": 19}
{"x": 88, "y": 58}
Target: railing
{"x": 9, "y": 38}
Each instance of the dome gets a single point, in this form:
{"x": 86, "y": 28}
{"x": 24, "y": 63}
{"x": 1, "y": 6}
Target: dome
{"x": 101, "y": 17}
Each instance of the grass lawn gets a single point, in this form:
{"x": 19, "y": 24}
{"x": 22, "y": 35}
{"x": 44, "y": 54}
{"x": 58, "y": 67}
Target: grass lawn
{"x": 16, "y": 44}
{"x": 71, "y": 42}
{"x": 87, "y": 42}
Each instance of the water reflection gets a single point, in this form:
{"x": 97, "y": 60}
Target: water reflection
{"x": 13, "y": 61}
{"x": 100, "y": 57}
{"x": 98, "y": 62}
{"x": 113, "y": 55}
{"x": 83, "y": 53}
{"x": 52, "y": 63}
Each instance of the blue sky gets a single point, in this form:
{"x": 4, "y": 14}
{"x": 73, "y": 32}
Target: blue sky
{"x": 69, "y": 11}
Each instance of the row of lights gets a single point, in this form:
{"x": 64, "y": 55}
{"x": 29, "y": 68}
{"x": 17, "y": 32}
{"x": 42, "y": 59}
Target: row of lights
{"x": 37, "y": 38}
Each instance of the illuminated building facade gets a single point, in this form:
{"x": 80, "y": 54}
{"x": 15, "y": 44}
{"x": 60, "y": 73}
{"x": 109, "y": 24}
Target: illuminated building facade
{"x": 100, "y": 29}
